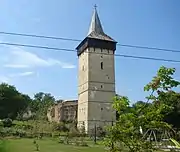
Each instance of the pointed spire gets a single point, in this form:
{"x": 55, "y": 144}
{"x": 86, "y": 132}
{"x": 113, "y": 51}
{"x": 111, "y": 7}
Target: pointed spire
{"x": 95, "y": 25}
{"x": 96, "y": 37}
{"x": 95, "y": 29}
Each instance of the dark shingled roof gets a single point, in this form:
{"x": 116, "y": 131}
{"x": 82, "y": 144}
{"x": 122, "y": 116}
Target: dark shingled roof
{"x": 96, "y": 30}
{"x": 96, "y": 37}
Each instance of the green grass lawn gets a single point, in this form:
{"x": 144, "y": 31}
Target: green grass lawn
{"x": 47, "y": 145}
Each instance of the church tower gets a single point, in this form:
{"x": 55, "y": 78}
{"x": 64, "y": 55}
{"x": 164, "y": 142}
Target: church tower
{"x": 96, "y": 84}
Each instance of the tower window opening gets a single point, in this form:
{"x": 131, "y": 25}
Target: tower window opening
{"x": 101, "y": 86}
{"x": 101, "y": 56}
{"x": 94, "y": 49}
{"x": 101, "y": 50}
{"x": 101, "y": 109}
{"x": 101, "y": 65}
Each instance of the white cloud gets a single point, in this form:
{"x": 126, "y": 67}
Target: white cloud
{"x": 9, "y": 77}
{"x": 20, "y": 58}
{"x": 16, "y": 66}
{"x": 57, "y": 97}
{"x": 22, "y": 74}
{"x": 68, "y": 66}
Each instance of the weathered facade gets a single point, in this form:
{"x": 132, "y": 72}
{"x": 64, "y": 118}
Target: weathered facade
{"x": 96, "y": 74}
{"x": 63, "y": 111}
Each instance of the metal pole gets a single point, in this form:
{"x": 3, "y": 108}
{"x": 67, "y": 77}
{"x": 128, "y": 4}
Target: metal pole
{"x": 112, "y": 145}
{"x": 95, "y": 133}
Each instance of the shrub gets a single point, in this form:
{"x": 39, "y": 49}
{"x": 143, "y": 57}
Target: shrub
{"x": 6, "y": 132}
{"x": 61, "y": 139}
{"x": 73, "y": 132}
{"x": 60, "y": 127}
{"x": 22, "y": 125}
{"x": 1, "y": 123}
{"x": 82, "y": 142}
{"x": 7, "y": 122}
{"x": 19, "y": 133}
{"x": 99, "y": 132}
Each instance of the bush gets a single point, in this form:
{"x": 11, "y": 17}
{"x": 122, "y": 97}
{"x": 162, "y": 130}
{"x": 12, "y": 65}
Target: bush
{"x": 1, "y": 123}
{"x": 75, "y": 137}
{"x": 73, "y": 132}
{"x": 7, "y": 122}
{"x": 19, "y": 133}
{"x": 6, "y": 132}
{"x": 23, "y": 126}
{"x": 61, "y": 139}
{"x": 99, "y": 132}
{"x": 60, "y": 127}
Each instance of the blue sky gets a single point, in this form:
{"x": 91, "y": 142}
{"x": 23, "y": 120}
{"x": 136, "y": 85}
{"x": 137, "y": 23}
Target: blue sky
{"x": 153, "y": 23}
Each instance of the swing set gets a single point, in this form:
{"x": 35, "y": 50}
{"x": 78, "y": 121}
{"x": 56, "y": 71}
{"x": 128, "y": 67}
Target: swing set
{"x": 161, "y": 140}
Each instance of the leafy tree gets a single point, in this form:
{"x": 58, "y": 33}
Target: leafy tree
{"x": 21, "y": 113}
{"x": 41, "y": 103}
{"x": 126, "y": 131}
{"x": 12, "y": 101}
{"x": 172, "y": 99}
{"x": 140, "y": 104}
{"x": 164, "y": 84}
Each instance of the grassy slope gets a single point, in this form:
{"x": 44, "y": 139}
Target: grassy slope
{"x": 26, "y": 145}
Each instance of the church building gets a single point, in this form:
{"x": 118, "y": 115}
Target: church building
{"x": 96, "y": 77}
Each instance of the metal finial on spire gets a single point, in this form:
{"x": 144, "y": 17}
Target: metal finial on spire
{"x": 95, "y": 6}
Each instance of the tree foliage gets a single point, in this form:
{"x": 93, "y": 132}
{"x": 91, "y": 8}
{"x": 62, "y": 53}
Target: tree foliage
{"x": 14, "y": 104}
{"x": 12, "y": 101}
{"x": 126, "y": 132}
{"x": 164, "y": 84}
{"x": 7, "y": 122}
{"x": 41, "y": 103}
{"x": 172, "y": 99}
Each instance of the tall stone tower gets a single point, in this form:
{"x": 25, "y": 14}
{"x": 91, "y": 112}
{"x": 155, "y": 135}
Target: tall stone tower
{"x": 96, "y": 84}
